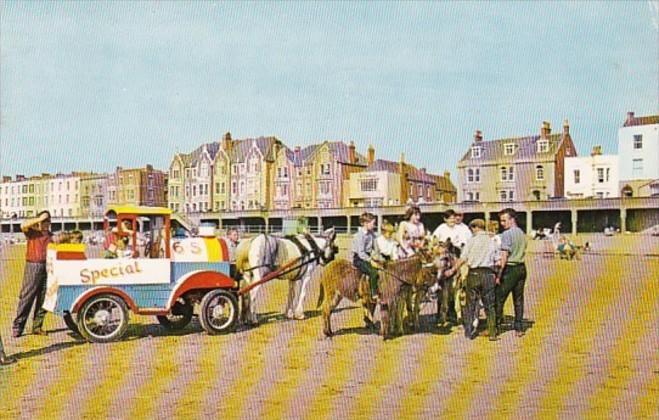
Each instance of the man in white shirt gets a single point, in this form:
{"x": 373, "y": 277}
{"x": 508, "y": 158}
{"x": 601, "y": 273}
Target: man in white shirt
{"x": 464, "y": 231}
{"x": 451, "y": 230}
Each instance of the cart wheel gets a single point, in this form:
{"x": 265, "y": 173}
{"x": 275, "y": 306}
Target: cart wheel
{"x": 71, "y": 323}
{"x": 103, "y": 318}
{"x": 219, "y": 312}
{"x": 179, "y": 317}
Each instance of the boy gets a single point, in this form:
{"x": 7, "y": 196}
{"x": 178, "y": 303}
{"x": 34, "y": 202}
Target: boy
{"x": 362, "y": 248}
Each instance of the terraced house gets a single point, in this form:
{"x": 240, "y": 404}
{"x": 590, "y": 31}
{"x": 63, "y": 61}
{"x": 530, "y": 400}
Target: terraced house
{"x": 251, "y": 162}
{"x": 190, "y": 181}
{"x": 321, "y": 172}
{"x": 385, "y": 182}
{"x": 227, "y": 175}
{"x": 515, "y": 169}
{"x": 138, "y": 186}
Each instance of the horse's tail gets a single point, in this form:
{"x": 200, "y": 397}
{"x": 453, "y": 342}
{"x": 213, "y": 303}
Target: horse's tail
{"x": 321, "y": 296}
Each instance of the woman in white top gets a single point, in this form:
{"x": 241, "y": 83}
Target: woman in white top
{"x": 411, "y": 232}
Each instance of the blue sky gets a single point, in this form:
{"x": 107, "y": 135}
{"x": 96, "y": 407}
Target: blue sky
{"x": 91, "y": 86}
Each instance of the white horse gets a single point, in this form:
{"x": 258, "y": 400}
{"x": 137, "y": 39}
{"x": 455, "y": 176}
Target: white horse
{"x": 264, "y": 254}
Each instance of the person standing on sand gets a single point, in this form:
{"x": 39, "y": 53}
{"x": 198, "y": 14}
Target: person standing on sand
{"x": 33, "y": 291}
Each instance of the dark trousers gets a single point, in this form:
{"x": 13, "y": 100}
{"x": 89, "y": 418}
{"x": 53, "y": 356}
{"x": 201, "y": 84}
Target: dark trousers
{"x": 33, "y": 292}
{"x": 366, "y": 268}
{"x": 513, "y": 280}
{"x": 480, "y": 285}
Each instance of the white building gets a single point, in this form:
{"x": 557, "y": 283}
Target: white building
{"x": 592, "y": 176}
{"x": 379, "y": 185}
{"x": 62, "y": 195}
{"x": 638, "y": 148}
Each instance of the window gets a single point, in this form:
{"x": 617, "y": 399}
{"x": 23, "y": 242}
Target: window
{"x": 507, "y": 195}
{"x": 509, "y": 149}
{"x": 325, "y": 168}
{"x": 369, "y": 184}
{"x": 543, "y": 146}
{"x": 477, "y": 175}
{"x": 278, "y": 172}
{"x": 285, "y": 172}
{"x": 476, "y": 152}
{"x": 507, "y": 173}
{"x": 638, "y": 141}
{"x": 577, "y": 176}
{"x": 600, "y": 175}
{"x": 325, "y": 187}
{"x": 470, "y": 175}
{"x": 194, "y": 190}
{"x": 539, "y": 173}
{"x": 470, "y": 196}
{"x": 608, "y": 172}
{"x": 222, "y": 189}
{"x": 217, "y": 188}
{"x": 637, "y": 167}
{"x": 234, "y": 189}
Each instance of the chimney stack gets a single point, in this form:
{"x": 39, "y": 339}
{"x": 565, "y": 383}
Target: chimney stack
{"x": 351, "y": 153}
{"x": 630, "y": 116}
{"x": 478, "y": 136}
{"x": 597, "y": 150}
{"x": 566, "y": 127}
{"x": 298, "y": 154}
{"x": 226, "y": 142}
{"x": 545, "y": 131}
{"x": 6, "y": 178}
{"x": 371, "y": 154}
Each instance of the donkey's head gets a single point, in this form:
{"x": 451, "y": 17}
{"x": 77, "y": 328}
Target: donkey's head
{"x": 328, "y": 247}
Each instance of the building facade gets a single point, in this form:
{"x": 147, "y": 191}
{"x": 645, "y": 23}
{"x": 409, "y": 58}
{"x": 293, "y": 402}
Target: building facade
{"x": 592, "y": 176}
{"x": 512, "y": 169}
{"x": 93, "y": 194}
{"x": 638, "y": 151}
{"x": 137, "y": 186}
{"x": 388, "y": 183}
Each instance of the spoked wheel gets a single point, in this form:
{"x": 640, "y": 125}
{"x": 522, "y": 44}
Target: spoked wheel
{"x": 103, "y": 318}
{"x": 71, "y": 323}
{"x": 179, "y": 317}
{"x": 219, "y": 312}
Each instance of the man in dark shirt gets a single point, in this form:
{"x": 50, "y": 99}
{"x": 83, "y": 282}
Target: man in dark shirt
{"x": 33, "y": 290}
{"x": 512, "y": 273}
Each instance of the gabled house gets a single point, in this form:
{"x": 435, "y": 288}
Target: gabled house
{"x": 517, "y": 168}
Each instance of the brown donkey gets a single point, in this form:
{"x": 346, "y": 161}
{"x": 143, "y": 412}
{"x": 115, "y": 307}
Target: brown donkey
{"x": 341, "y": 279}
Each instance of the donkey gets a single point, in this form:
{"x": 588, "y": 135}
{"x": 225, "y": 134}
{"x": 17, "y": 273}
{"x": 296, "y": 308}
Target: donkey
{"x": 341, "y": 279}
{"x": 449, "y": 286}
{"x": 262, "y": 255}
